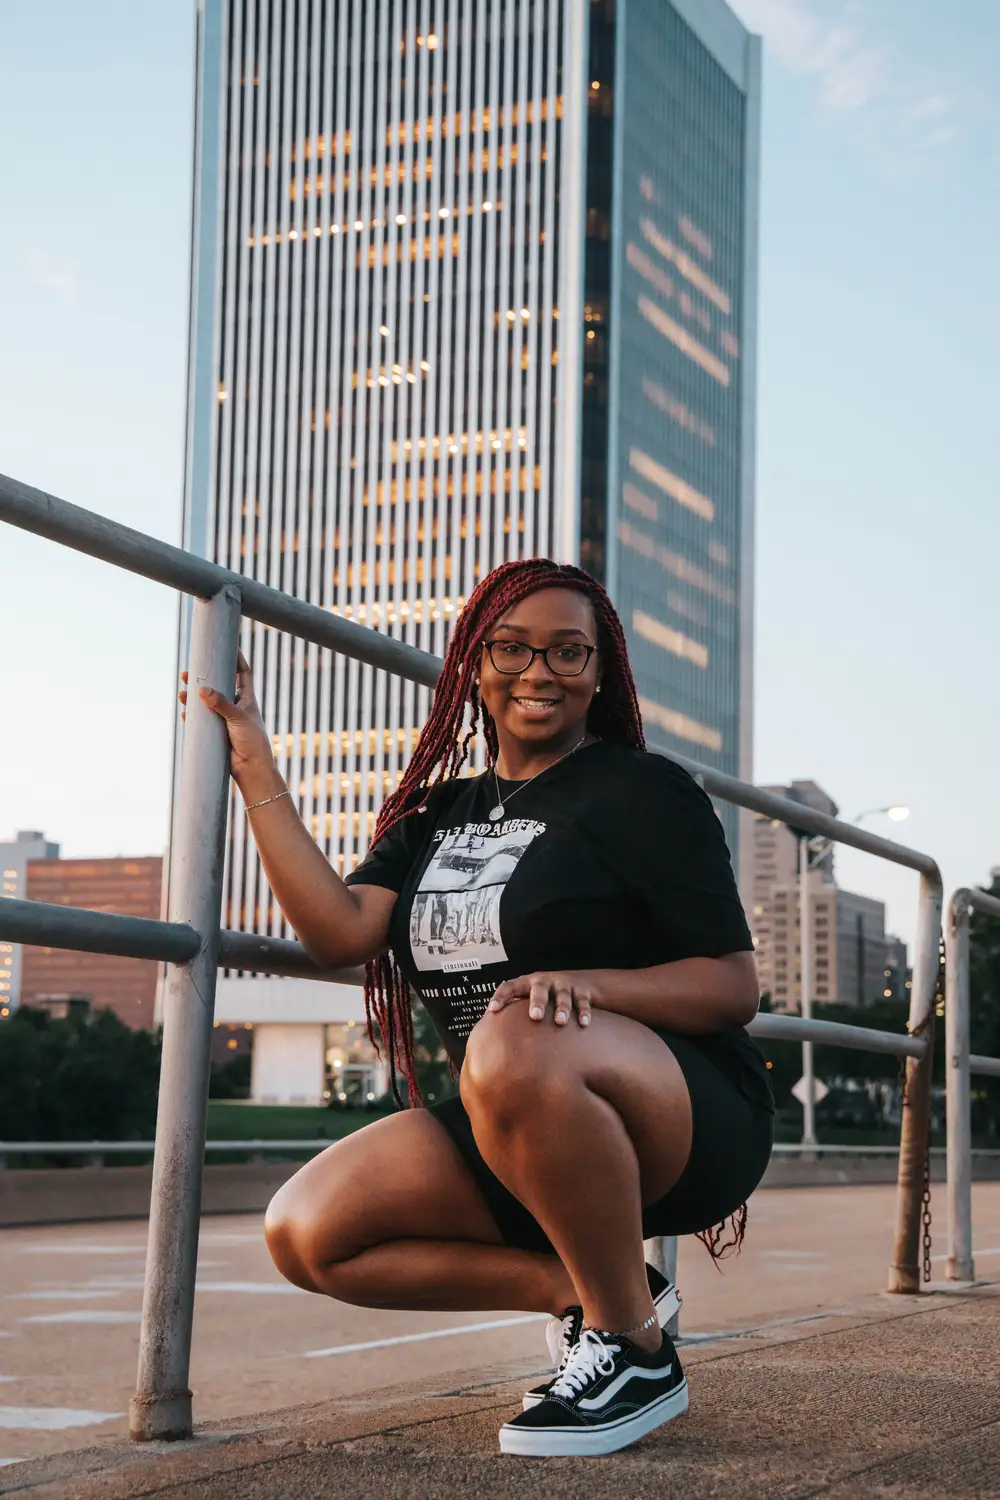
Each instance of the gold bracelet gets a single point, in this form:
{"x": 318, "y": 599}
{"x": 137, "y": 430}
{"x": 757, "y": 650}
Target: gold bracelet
{"x": 251, "y": 805}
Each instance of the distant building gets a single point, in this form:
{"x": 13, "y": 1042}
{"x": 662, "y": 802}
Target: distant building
{"x": 15, "y": 856}
{"x": 128, "y": 886}
{"x": 848, "y": 947}
{"x": 774, "y": 898}
{"x": 897, "y": 973}
{"x": 780, "y": 956}
{"x": 847, "y": 931}
{"x": 861, "y": 949}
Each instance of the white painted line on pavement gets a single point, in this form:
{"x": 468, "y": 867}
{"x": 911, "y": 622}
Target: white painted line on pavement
{"x": 86, "y": 1315}
{"x": 70, "y": 1294}
{"x": 52, "y": 1418}
{"x": 795, "y": 1254}
{"x": 434, "y": 1333}
{"x": 232, "y": 1237}
{"x": 994, "y": 1250}
{"x": 283, "y": 1288}
{"x": 78, "y": 1249}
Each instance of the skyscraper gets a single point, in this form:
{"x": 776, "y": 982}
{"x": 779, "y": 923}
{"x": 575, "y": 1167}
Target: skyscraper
{"x": 669, "y": 394}
{"x": 473, "y": 280}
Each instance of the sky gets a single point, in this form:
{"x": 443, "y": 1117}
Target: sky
{"x": 878, "y": 503}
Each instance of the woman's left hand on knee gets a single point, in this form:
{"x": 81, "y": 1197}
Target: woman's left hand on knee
{"x": 557, "y": 993}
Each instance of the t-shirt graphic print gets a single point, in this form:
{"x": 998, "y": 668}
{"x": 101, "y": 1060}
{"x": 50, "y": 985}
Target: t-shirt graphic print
{"x": 455, "y": 917}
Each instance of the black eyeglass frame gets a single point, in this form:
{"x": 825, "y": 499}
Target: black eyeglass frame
{"x": 543, "y": 652}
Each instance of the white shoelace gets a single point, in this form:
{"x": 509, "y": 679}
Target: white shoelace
{"x": 557, "y": 1337}
{"x": 589, "y": 1357}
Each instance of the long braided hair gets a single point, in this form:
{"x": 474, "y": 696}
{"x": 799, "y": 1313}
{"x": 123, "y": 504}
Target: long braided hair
{"x": 444, "y": 748}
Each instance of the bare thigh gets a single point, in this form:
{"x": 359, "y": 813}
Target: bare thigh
{"x": 397, "y": 1179}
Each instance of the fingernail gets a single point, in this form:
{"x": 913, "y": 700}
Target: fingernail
{"x": 560, "y": 1018}
{"x": 584, "y": 1020}
{"x": 536, "y": 1015}
{"x": 493, "y": 1005}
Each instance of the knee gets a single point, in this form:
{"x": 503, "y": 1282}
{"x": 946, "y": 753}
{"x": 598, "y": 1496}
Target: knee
{"x": 290, "y": 1239}
{"x": 506, "y": 1072}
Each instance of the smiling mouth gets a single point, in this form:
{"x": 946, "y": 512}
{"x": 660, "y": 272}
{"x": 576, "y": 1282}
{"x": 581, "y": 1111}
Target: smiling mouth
{"x": 535, "y": 702}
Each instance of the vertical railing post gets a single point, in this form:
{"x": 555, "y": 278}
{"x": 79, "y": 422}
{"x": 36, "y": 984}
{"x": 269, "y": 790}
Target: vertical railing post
{"x": 805, "y": 985}
{"x": 161, "y": 1407}
{"x": 960, "y": 1265}
{"x": 661, "y": 1254}
{"x": 914, "y": 1131}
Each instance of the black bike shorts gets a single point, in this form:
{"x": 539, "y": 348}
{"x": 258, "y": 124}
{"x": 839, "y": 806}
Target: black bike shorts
{"x": 730, "y": 1149}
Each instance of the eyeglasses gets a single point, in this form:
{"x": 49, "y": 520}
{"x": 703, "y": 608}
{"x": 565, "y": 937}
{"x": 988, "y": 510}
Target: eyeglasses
{"x": 514, "y": 657}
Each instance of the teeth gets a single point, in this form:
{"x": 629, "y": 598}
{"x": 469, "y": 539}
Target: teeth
{"x": 536, "y": 702}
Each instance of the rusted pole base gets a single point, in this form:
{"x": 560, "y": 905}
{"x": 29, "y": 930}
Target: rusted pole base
{"x": 164, "y": 1419}
{"x": 904, "y": 1280}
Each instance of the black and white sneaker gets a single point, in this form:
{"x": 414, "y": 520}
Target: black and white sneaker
{"x": 563, "y": 1332}
{"x": 608, "y": 1394}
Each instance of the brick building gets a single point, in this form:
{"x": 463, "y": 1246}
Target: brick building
{"x": 129, "y": 886}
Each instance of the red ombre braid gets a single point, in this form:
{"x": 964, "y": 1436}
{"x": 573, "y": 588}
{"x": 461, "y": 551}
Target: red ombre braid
{"x": 443, "y": 749}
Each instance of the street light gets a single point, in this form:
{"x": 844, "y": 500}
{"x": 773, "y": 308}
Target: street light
{"x": 894, "y": 814}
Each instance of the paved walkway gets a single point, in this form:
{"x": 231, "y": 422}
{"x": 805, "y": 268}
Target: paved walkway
{"x": 889, "y": 1397}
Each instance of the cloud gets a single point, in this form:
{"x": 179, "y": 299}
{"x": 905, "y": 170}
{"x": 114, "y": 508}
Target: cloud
{"x": 54, "y": 274}
{"x": 849, "y": 72}
{"x": 853, "y": 73}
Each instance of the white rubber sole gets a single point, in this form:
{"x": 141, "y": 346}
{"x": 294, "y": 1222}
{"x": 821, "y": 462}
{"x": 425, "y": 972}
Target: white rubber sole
{"x": 560, "y": 1442}
{"x": 667, "y": 1304}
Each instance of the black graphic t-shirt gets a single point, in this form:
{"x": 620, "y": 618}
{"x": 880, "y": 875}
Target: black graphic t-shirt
{"x": 611, "y": 859}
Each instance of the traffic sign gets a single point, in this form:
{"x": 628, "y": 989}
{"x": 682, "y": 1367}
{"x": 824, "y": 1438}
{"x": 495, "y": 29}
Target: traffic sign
{"x": 801, "y": 1091}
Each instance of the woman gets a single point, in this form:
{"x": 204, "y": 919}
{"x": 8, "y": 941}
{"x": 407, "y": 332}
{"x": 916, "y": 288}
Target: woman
{"x": 571, "y": 922}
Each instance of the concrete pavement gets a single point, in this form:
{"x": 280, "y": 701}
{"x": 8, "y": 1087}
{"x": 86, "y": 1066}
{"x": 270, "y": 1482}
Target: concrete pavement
{"x": 69, "y": 1310}
{"x": 891, "y": 1397}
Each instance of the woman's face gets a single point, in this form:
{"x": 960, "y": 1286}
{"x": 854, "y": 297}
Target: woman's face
{"x": 537, "y": 704}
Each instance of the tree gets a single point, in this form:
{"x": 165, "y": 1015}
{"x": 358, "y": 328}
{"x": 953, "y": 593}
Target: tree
{"x": 79, "y": 1079}
{"x": 231, "y": 1079}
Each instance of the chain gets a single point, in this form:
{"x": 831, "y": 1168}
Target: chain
{"x": 927, "y": 1024}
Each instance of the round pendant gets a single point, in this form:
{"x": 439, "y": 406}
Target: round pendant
{"x": 496, "y": 813}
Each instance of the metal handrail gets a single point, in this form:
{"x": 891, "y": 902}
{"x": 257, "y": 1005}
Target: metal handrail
{"x": 84, "y": 931}
{"x": 111, "y": 542}
{"x": 72, "y": 526}
{"x": 320, "y": 1143}
{"x": 162, "y": 1405}
{"x": 129, "y": 1148}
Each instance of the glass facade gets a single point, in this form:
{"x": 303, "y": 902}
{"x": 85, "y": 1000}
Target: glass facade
{"x": 677, "y": 483}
